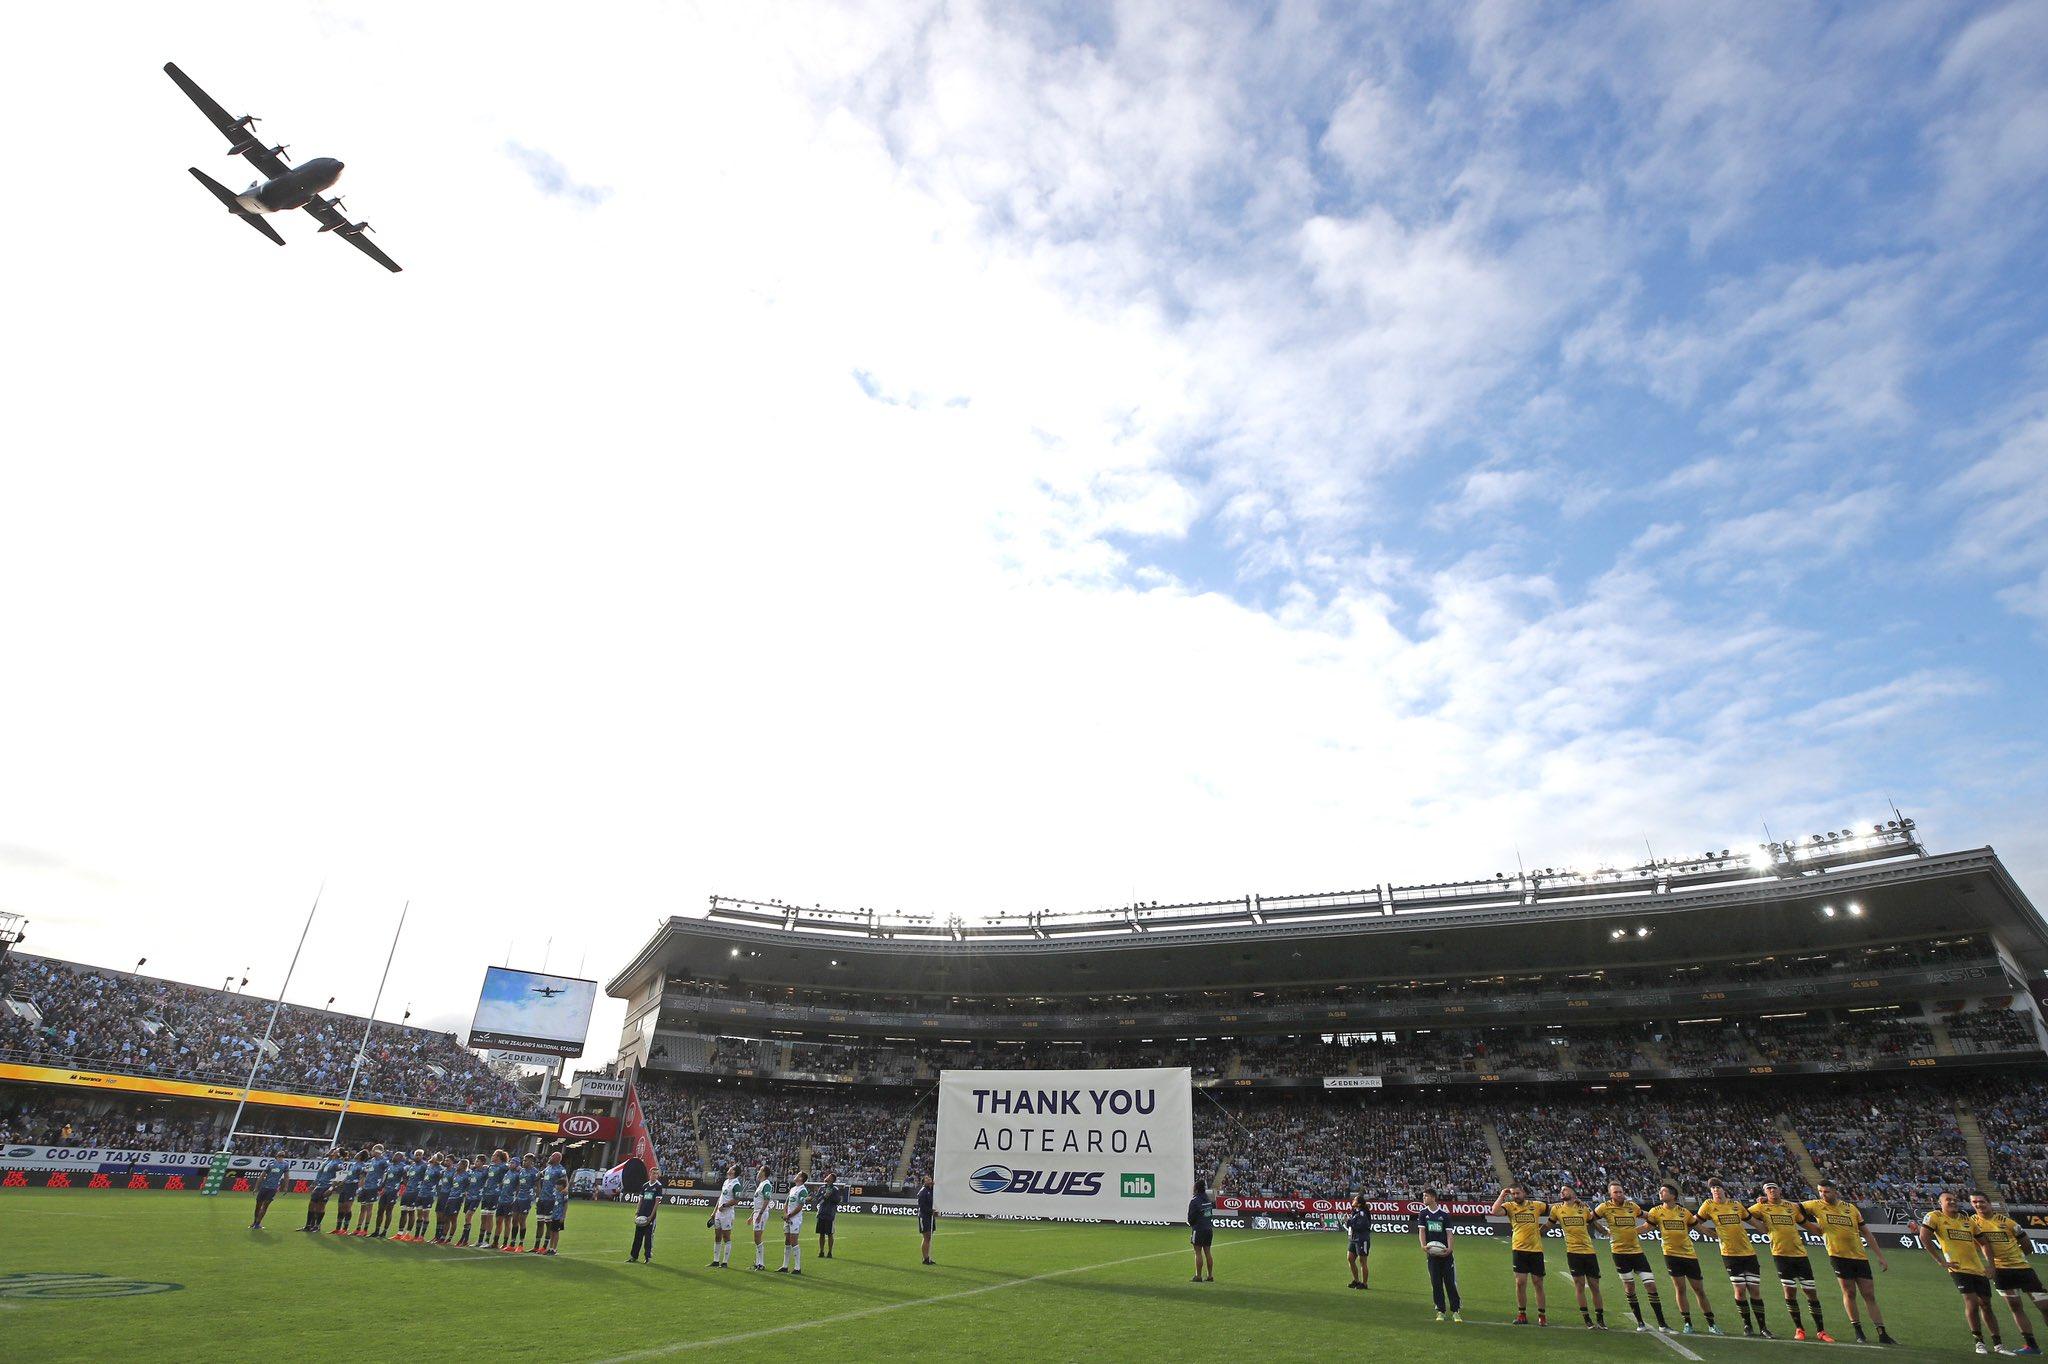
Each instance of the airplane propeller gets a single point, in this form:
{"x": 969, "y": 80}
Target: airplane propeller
{"x": 280, "y": 151}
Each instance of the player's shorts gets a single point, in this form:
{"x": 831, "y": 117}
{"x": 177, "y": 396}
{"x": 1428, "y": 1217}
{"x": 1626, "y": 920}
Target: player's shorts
{"x": 489, "y": 1202}
{"x": 467, "y": 1202}
{"x": 1683, "y": 1267}
{"x": 521, "y": 1207}
{"x": 928, "y": 1223}
{"x": 1974, "y": 1284}
{"x": 2021, "y": 1280}
{"x": 1742, "y": 1268}
{"x": 1582, "y": 1264}
{"x": 795, "y": 1225}
{"x": 1793, "y": 1268}
{"x": 561, "y": 1216}
{"x": 825, "y": 1220}
{"x": 760, "y": 1219}
{"x": 388, "y": 1197}
{"x": 722, "y": 1219}
{"x": 368, "y": 1195}
{"x": 545, "y": 1209}
{"x": 1627, "y": 1262}
{"x": 1359, "y": 1245}
{"x": 1199, "y": 1237}
{"x": 1529, "y": 1262}
{"x": 1849, "y": 1267}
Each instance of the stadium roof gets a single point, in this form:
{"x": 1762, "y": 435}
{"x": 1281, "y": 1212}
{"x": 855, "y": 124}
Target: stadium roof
{"x": 1691, "y": 912}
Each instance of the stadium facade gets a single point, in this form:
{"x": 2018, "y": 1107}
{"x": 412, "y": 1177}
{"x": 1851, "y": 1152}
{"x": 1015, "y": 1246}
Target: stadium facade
{"x": 1856, "y": 956}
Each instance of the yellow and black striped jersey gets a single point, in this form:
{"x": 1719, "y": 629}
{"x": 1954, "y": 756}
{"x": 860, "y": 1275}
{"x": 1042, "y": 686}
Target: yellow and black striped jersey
{"x": 1841, "y": 1226}
{"x": 2002, "y": 1234}
{"x": 1781, "y": 1219}
{"x": 1674, "y": 1227}
{"x": 1957, "y": 1233}
{"x": 1575, "y": 1220}
{"x": 1526, "y": 1221}
{"x": 1623, "y": 1221}
{"x": 1726, "y": 1215}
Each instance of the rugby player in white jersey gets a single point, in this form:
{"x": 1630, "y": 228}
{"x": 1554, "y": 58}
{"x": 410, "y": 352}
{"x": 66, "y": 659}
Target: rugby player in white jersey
{"x": 721, "y": 1219}
{"x": 793, "y": 1205}
{"x": 764, "y": 1200}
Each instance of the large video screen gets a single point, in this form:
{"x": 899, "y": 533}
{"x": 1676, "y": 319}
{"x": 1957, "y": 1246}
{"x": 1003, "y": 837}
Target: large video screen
{"x": 533, "y": 1012}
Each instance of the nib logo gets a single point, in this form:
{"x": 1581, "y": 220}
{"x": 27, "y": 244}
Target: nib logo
{"x": 1136, "y": 1186}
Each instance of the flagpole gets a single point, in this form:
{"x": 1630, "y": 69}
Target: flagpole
{"x": 270, "y": 1028}
{"x": 369, "y": 1023}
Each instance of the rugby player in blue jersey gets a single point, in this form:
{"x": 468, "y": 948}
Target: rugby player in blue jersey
{"x": 554, "y": 1183}
{"x": 387, "y": 1196}
{"x": 519, "y": 1176}
{"x": 492, "y": 1187}
{"x": 404, "y": 1183}
{"x": 419, "y": 1194}
{"x": 345, "y": 1188}
{"x": 275, "y": 1172}
{"x": 468, "y": 1190}
{"x": 375, "y": 1170}
{"x": 447, "y": 1198}
{"x": 323, "y": 1188}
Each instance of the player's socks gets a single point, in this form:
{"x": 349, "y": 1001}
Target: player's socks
{"x": 1813, "y": 1306}
{"x": 1636, "y": 1308}
{"x": 1600, "y": 1315}
{"x": 797, "y": 1264}
{"x": 1657, "y": 1306}
{"x": 1710, "y": 1317}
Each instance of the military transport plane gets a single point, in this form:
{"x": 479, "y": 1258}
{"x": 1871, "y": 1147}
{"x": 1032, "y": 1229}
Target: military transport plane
{"x": 283, "y": 186}
{"x": 550, "y": 991}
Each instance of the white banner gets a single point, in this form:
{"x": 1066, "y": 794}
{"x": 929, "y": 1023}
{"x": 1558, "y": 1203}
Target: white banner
{"x": 123, "y": 1159}
{"x": 1097, "y": 1145}
{"x": 1354, "y": 1081}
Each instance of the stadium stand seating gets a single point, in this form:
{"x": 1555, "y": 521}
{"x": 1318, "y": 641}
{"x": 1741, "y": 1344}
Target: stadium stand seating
{"x": 95, "y": 1019}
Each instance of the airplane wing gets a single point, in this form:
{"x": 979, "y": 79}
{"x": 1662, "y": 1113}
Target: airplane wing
{"x": 237, "y": 131}
{"x": 333, "y": 220}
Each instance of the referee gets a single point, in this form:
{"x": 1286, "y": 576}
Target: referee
{"x": 927, "y": 1216}
{"x": 1432, "y": 1229}
{"x": 643, "y": 1218}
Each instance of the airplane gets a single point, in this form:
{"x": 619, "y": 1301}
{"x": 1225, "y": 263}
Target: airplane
{"x": 550, "y": 991}
{"x": 283, "y": 186}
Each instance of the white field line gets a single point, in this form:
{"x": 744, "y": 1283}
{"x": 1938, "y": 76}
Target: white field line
{"x": 678, "y": 1347}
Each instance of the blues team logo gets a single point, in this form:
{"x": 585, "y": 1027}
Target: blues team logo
{"x": 994, "y": 1179}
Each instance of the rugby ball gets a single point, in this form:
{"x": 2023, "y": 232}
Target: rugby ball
{"x": 1439, "y": 1249}
{"x": 640, "y": 1221}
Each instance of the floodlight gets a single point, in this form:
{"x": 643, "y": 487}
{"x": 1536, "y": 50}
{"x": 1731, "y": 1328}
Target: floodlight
{"x": 1828, "y": 910}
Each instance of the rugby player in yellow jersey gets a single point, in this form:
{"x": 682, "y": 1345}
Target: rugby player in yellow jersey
{"x": 1841, "y": 1226}
{"x": 1623, "y": 1218}
{"x": 2011, "y": 1275}
{"x": 1673, "y": 1225}
{"x": 1953, "y": 1242}
{"x": 1730, "y": 1221}
{"x": 1780, "y": 1219}
{"x": 1571, "y": 1216}
{"x": 1525, "y": 1244}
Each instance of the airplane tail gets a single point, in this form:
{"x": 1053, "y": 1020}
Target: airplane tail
{"x": 227, "y": 197}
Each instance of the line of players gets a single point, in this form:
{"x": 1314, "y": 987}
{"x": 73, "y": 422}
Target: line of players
{"x": 1977, "y": 1248}
{"x": 511, "y": 1205}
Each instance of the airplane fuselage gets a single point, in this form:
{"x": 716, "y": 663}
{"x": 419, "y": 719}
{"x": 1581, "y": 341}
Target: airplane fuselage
{"x": 294, "y": 189}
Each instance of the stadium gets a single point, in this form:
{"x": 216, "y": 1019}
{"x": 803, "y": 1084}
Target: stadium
{"x": 1849, "y": 1008}
{"x": 951, "y": 680}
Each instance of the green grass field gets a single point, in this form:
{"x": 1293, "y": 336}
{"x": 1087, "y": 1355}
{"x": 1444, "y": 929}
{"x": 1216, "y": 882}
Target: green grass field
{"x": 1000, "y": 1290}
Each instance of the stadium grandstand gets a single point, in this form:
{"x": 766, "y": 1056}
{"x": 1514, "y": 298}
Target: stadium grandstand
{"x": 95, "y": 1057}
{"x": 1848, "y": 1002}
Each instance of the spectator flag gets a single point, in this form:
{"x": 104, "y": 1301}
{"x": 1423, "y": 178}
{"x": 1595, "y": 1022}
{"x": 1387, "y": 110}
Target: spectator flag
{"x": 638, "y": 1144}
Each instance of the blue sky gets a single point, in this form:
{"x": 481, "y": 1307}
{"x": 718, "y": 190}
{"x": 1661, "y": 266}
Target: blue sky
{"x": 960, "y": 458}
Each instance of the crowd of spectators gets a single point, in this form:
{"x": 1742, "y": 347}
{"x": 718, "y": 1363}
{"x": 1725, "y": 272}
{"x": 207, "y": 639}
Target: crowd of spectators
{"x": 1888, "y": 1142}
{"x": 39, "y": 1116}
{"x": 1997, "y": 1029}
{"x": 1760, "y": 970}
{"x": 859, "y": 1138}
{"x": 57, "y": 1013}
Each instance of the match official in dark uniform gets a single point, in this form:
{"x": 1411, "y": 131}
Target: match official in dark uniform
{"x": 643, "y": 1218}
{"x": 829, "y": 1197}
{"x": 927, "y": 1217}
{"x": 1202, "y": 1234}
